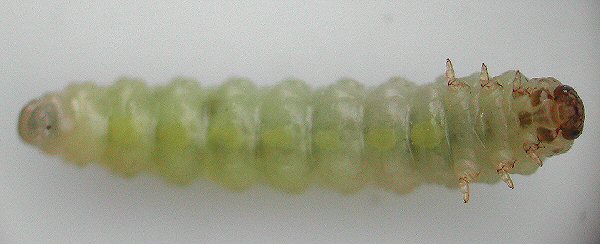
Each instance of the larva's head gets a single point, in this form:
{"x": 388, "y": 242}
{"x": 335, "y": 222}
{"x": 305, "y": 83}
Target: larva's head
{"x": 569, "y": 111}
{"x": 41, "y": 122}
{"x": 557, "y": 114}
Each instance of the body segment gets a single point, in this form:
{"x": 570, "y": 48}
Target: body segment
{"x": 397, "y": 135}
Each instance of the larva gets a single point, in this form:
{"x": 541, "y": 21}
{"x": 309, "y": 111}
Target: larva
{"x": 397, "y": 135}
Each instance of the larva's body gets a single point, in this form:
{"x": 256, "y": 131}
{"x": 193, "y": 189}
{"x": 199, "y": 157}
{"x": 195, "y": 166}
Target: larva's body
{"x": 397, "y": 135}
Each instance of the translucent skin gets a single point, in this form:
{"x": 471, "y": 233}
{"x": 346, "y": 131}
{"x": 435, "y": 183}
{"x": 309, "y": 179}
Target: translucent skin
{"x": 344, "y": 136}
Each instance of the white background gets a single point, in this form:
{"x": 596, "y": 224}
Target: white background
{"x": 45, "y": 46}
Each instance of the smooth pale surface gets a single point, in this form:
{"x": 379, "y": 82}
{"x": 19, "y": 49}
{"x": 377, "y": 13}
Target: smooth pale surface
{"x": 45, "y": 46}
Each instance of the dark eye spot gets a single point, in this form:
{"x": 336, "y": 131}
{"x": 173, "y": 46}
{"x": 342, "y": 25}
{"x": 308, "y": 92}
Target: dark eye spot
{"x": 48, "y": 127}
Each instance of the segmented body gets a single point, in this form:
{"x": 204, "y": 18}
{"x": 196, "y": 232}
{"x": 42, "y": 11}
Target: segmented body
{"x": 397, "y": 135}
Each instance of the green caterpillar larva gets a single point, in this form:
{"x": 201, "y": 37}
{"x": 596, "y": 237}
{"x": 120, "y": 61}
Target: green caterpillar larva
{"x": 397, "y": 135}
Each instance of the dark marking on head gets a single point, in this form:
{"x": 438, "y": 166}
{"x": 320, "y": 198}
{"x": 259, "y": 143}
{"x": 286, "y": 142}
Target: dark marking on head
{"x": 535, "y": 97}
{"x": 570, "y": 111}
{"x": 538, "y": 95}
{"x": 545, "y": 134}
{"x": 524, "y": 119}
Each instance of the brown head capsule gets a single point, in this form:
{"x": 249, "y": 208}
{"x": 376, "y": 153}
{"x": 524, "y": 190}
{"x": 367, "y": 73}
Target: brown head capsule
{"x": 569, "y": 114}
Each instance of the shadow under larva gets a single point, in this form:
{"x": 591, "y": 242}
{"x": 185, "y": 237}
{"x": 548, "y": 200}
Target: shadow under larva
{"x": 397, "y": 135}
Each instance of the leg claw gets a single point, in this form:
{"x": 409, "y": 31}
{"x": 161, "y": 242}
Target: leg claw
{"x": 503, "y": 170}
{"x": 463, "y": 183}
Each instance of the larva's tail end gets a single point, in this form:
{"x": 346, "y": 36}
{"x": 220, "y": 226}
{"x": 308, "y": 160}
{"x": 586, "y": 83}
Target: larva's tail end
{"x": 36, "y": 122}
{"x": 40, "y": 122}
